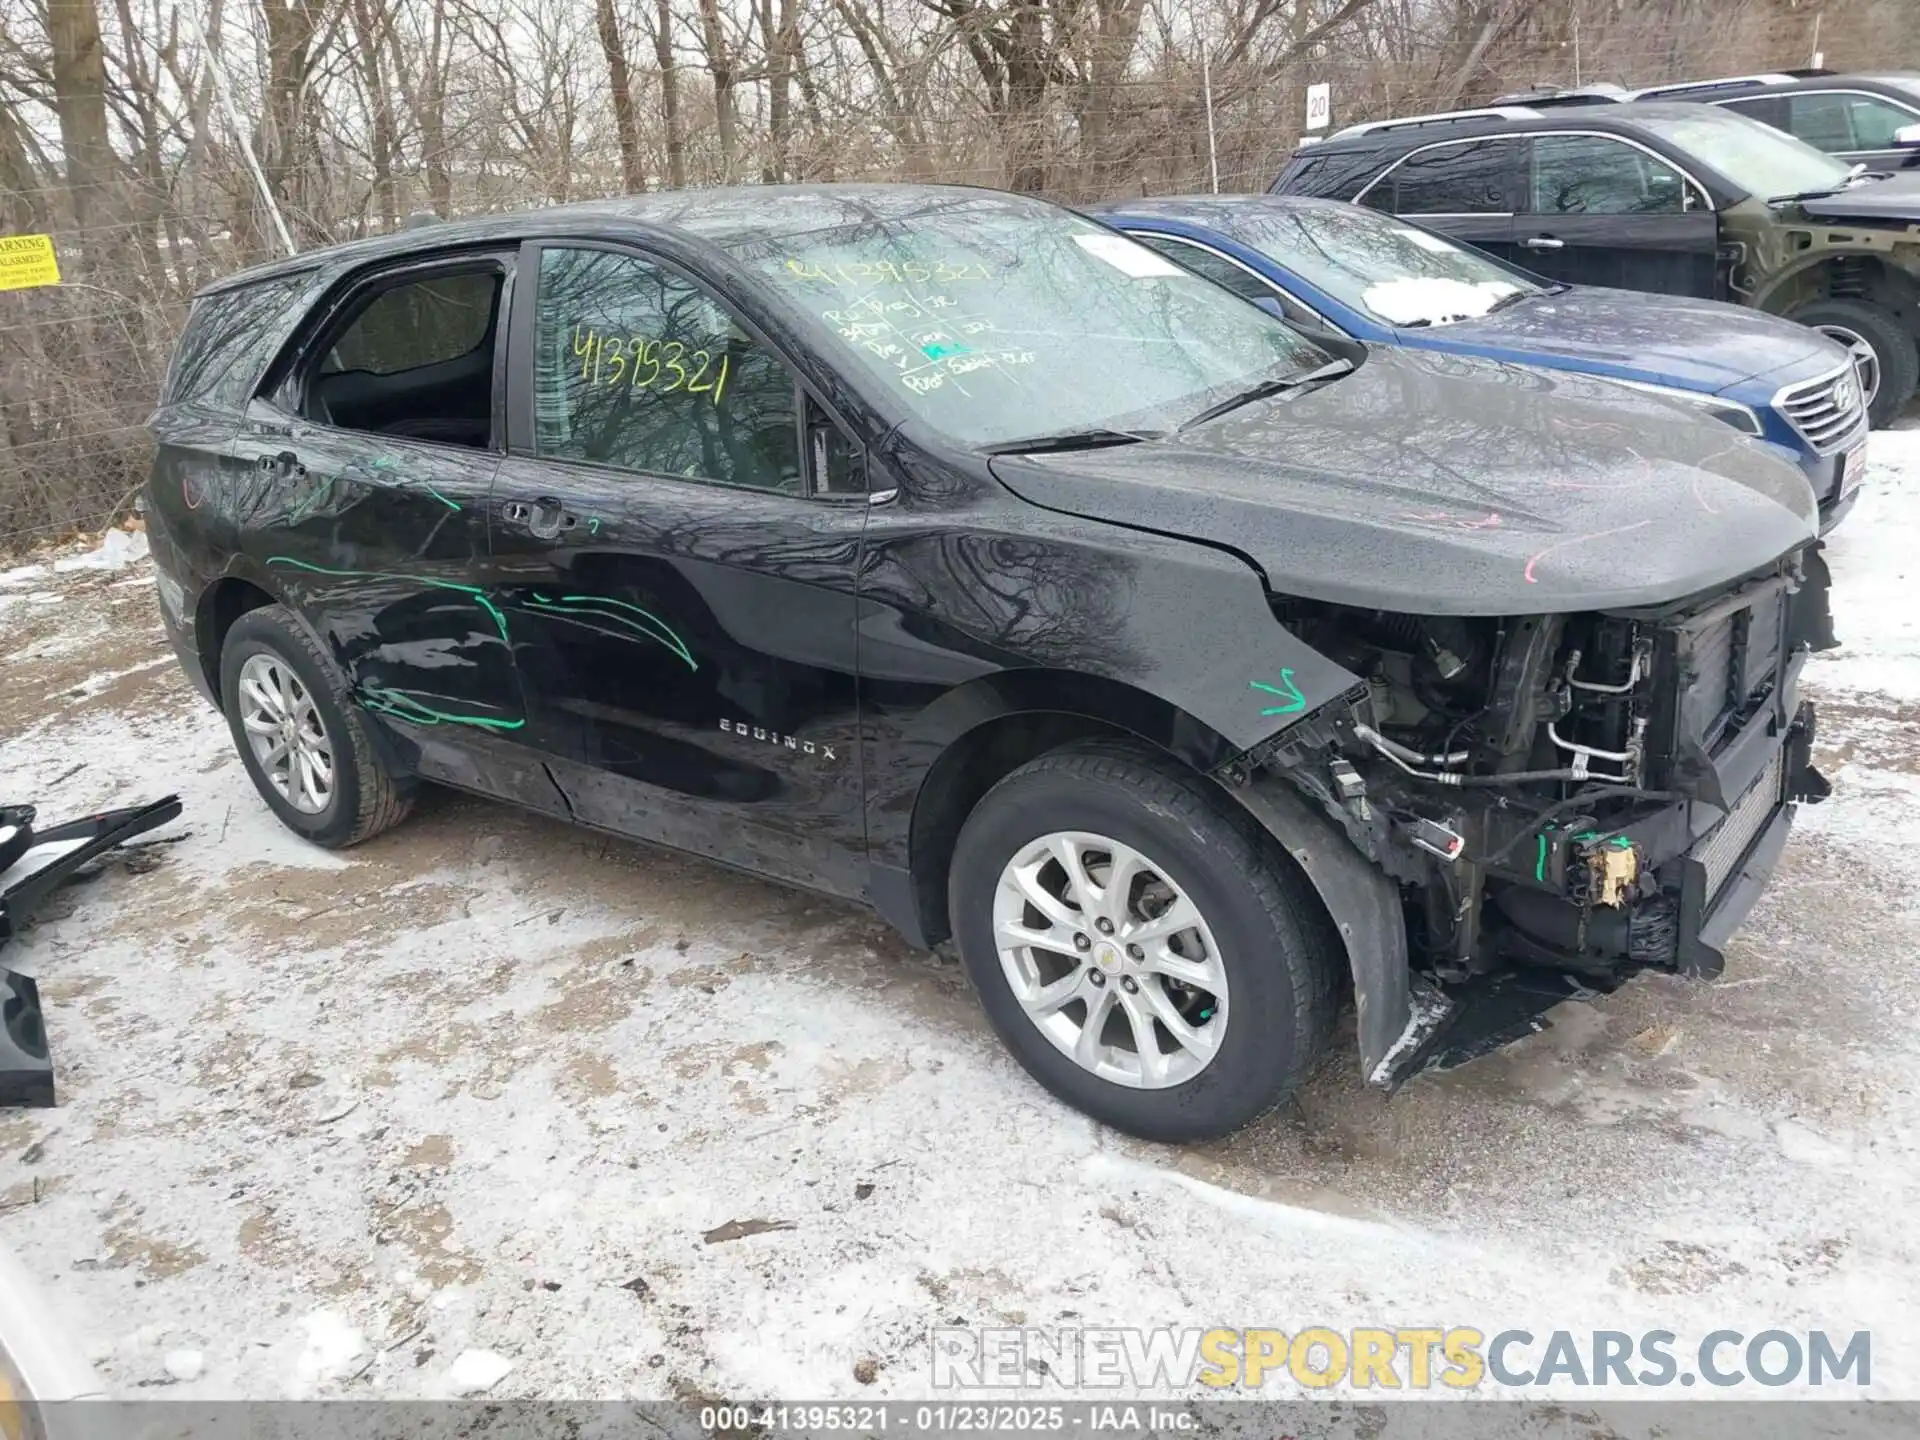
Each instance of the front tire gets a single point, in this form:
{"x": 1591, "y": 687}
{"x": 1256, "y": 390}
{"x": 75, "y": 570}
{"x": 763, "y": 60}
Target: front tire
{"x": 1144, "y": 951}
{"x": 1885, "y": 356}
{"x": 308, "y": 750}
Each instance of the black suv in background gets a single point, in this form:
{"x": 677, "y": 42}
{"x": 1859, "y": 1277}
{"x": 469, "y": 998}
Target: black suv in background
{"x": 1674, "y": 198}
{"x": 1871, "y": 120}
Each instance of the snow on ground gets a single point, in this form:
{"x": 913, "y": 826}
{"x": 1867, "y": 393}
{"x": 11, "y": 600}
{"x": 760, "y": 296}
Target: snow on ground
{"x": 494, "y": 1105}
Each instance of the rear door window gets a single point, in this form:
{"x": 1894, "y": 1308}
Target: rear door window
{"x": 1472, "y": 177}
{"x": 1767, "y": 109}
{"x": 414, "y": 358}
{"x": 420, "y": 324}
{"x": 1598, "y": 175}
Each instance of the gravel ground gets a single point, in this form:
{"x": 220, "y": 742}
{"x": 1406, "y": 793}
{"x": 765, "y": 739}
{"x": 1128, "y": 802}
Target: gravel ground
{"x": 633, "y": 1126}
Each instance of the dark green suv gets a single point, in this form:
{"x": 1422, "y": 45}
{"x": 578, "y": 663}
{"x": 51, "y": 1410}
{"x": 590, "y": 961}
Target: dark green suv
{"x": 1673, "y": 198}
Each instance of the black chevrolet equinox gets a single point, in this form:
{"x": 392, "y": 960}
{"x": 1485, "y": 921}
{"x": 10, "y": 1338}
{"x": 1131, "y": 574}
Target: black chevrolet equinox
{"x": 943, "y": 550}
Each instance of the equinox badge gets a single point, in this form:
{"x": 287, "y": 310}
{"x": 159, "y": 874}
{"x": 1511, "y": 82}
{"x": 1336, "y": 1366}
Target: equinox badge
{"x": 774, "y": 737}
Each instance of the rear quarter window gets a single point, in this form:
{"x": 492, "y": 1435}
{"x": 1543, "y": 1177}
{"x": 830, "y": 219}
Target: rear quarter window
{"x": 1335, "y": 176}
{"x": 224, "y": 346}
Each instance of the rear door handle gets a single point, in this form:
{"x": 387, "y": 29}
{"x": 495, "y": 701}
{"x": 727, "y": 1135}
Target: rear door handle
{"x": 1542, "y": 242}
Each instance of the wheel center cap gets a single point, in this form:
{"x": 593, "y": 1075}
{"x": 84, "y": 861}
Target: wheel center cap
{"x": 1106, "y": 956}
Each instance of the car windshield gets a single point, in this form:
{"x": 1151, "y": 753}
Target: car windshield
{"x": 1759, "y": 159}
{"x": 997, "y": 319}
{"x": 1392, "y": 270}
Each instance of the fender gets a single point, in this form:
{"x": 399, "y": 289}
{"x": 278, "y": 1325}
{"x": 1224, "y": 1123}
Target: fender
{"x": 1868, "y": 245}
{"x": 402, "y": 756}
{"x": 1098, "y": 626}
{"x": 1364, "y": 904}
{"x": 1173, "y": 640}
{"x": 898, "y": 825}
{"x": 239, "y": 566}
{"x": 1060, "y": 692}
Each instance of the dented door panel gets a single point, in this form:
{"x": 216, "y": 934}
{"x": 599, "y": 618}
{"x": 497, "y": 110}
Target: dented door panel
{"x": 687, "y": 658}
{"x": 374, "y": 540}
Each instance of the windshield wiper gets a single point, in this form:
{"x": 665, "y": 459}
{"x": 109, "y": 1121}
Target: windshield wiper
{"x": 1332, "y": 370}
{"x": 1093, "y": 439}
{"x": 1505, "y": 301}
{"x": 1845, "y": 185}
{"x": 1807, "y": 195}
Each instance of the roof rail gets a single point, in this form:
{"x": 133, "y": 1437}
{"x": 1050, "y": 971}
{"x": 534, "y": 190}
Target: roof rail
{"x": 1444, "y": 117}
{"x": 1731, "y": 82}
{"x": 1556, "y": 96}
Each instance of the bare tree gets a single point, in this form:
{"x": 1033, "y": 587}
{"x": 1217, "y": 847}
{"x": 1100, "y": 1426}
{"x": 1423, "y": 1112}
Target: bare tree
{"x": 80, "y": 105}
{"x": 670, "y": 112}
{"x": 620, "y": 88}
{"x": 112, "y": 140}
{"x": 722, "y": 65}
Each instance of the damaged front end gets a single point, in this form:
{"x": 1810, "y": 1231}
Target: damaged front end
{"x": 1559, "y": 800}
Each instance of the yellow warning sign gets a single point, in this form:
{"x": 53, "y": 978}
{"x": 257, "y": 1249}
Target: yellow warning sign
{"x": 26, "y": 261}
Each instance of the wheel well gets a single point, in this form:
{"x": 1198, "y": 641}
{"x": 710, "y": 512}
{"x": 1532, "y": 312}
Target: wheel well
{"x": 955, "y": 783}
{"x": 225, "y": 602}
{"x": 1845, "y": 277}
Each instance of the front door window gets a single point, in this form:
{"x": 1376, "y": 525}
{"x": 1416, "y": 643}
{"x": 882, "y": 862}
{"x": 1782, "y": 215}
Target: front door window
{"x": 1596, "y": 175}
{"x": 641, "y": 370}
{"x": 1838, "y": 123}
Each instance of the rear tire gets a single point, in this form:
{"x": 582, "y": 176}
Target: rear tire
{"x": 1867, "y": 329}
{"x": 1261, "y": 938}
{"x": 307, "y": 747}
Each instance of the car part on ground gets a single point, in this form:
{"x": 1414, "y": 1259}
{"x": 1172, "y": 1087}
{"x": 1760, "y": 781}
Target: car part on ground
{"x": 1669, "y": 197}
{"x": 942, "y": 549}
{"x": 26, "y": 1067}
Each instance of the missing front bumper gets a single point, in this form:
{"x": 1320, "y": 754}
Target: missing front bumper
{"x": 1713, "y": 885}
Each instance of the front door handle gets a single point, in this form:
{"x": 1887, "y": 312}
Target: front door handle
{"x": 544, "y": 518}
{"x": 285, "y": 463}
{"x": 1542, "y": 242}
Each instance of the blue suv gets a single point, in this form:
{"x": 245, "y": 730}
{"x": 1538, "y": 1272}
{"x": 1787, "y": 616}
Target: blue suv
{"x": 1329, "y": 266}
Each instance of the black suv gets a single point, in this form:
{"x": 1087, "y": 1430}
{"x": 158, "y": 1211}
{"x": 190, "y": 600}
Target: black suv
{"x": 944, "y": 550}
{"x": 1871, "y": 120}
{"x": 1674, "y": 198}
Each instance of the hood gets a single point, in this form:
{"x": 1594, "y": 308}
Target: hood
{"x": 1896, "y": 200}
{"x": 1666, "y": 339}
{"x": 1444, "y": 485}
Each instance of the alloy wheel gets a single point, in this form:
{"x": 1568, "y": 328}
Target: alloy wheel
{"x": 285, "y": 731}
{"x": 1110, "y": 959}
